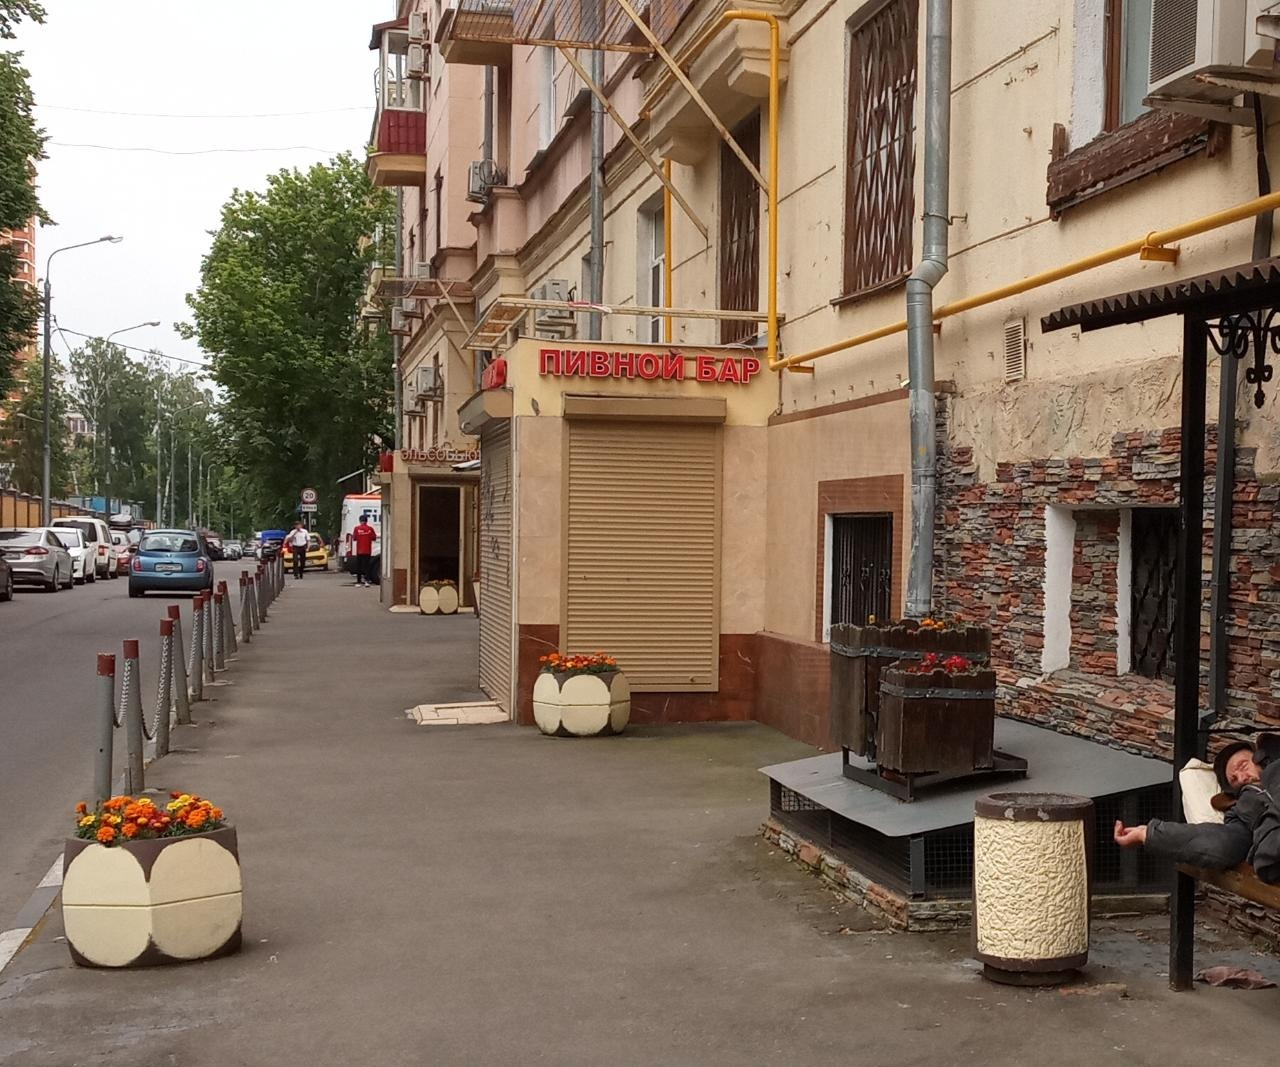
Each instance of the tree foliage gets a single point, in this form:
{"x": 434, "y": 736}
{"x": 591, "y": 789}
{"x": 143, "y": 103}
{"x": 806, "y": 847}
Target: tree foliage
{"x": 22, "y": 445}
{"x": 304, "y": 387}
{"x": 21, "y": 145}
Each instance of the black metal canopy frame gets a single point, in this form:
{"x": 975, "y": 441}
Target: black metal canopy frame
{"x": 1238, "y": 312}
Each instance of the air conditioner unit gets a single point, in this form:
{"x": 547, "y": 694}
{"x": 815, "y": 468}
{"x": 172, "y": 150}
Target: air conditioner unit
{"x": 1204, "y": 53}
{"x": 562, "y": 322}
{"x": 551, "y": 289}
{"x": 399, "y": 324}
{"x": 482, "y": 176}
{"x": 417, "y": 26}
{"x": 419, "y": 65}
{"x": 409, "y": 308}
{"x": 424, "y": 271}
{"x": 426, "y": 381}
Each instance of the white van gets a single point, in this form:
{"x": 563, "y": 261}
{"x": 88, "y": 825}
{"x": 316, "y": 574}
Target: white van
{"x": 354, "y": 505}
{"x": 97, "y": 535}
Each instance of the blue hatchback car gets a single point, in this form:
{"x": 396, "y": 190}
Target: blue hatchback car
{"x": 170, "y": 561}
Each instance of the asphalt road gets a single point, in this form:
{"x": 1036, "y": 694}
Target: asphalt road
{"x": 48, "y": 659}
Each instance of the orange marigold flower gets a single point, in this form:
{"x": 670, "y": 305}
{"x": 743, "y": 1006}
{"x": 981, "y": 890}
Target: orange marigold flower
{"x": 196, "y": 820}
{"x": 130, "y": 830}
{"x": 82, "y": 808}
{"x": 106, "y": 835}
{"x": 174, "y": 795}
{"x": 142, "y": 822}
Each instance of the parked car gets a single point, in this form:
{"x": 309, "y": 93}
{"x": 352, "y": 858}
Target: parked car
{"x": 98, "y": 536}
{"x": 233, "y": 550}
{"x": 271, "y": 542}
{"x": 82, "y": 563}
{"x": 214, "y": 544}
{"x": 317, "y": 555}
{"x": 170, "y": 561}
{"x": 123, "y": 551}
{"x": 36, "y": 557}
{"x": 6, "y": 579}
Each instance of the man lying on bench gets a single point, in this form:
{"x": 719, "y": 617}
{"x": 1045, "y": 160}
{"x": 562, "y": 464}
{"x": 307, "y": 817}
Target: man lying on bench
{"x": 1251, "y": 828}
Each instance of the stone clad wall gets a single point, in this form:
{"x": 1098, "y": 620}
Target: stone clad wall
{"x": 990, "y": 568}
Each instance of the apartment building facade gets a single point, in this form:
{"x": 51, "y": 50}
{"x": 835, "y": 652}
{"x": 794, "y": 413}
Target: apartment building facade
{"x": 660, "y": 492}
{"x": 24, "y": 243}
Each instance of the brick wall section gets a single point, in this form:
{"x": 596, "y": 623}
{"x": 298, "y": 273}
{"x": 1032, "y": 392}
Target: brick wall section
{"x": 990, "y": 570}
{"x": 1093, "y": 592}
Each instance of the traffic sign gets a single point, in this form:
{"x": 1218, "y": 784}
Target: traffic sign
{"x": 309, "y": 496}
{"x": 308, "y": 508}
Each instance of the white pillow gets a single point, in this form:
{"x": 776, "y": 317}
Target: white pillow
{"x": 1199, "y": 787}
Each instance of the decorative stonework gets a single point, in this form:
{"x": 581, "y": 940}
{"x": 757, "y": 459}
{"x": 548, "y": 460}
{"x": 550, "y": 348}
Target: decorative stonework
{"x": 581, "y": 705}
{"x": 140, "y": 903}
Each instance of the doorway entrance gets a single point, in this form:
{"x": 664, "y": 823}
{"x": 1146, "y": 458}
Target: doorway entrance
{"x": 439, "y": 534}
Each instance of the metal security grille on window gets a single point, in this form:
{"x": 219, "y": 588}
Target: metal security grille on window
{"x": 861, "y": 568}
{"x": 879, "y": 200}
{"x": 1155, "y": 571}
{"x": 740, "y": 232}
{"x": 1173, "y": 36}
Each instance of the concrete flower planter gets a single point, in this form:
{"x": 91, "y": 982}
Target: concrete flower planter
{"x": 436, "y": 599}
{"x": 581, "y": 705}
{"x": 147, "y": 902}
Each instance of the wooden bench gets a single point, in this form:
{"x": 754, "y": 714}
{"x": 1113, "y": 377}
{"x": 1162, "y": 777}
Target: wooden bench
{"x": 1239, "y": 880}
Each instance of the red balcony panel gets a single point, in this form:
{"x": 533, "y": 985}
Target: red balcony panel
{"x": 402, "y": 132}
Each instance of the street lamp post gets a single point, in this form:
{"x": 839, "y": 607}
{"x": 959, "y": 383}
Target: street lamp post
{"x": 46, "y": 503}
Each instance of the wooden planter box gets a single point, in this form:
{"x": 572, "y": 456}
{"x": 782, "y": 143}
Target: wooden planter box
{"x": 146, "y": 902}
{"x": 936, "y": 723}
{"x": 581, "y": 705}
{"x": 861, "y": 653}
{"x": 435, "y": 598}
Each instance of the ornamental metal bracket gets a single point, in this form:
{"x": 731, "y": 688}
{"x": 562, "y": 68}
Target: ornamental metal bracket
{"x": 1256, "y": 332}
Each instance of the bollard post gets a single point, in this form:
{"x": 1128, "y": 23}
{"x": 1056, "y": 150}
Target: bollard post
{"x": 255, "y": 623}
{"x": 132, "y": 699}
{"x": 246, "y": 621}
{"x": 106, "y": 727}
{"x": 219, "y": 636}
{"x": 181, "y": 696}
{"x": 164, "y": 688}
{"x": 206, "y": 605}
{"x": 264, "y": 594}
{"x": 229, "y": 648}
{"x": 195, "y": 665}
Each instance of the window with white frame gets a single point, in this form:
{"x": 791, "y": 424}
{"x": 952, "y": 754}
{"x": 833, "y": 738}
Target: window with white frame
{"x": 651, "y": 265}
{"x": 1128, "y": 60}
{"x": 547, "y": 118}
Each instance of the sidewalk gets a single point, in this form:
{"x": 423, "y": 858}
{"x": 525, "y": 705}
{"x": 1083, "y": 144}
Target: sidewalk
{"x": 482, "y": 895}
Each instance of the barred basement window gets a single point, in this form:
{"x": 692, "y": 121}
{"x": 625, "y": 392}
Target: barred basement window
{"x": 1154, "y": 604}
{"x": 740, "y": 232}
{"x": 861, "y": 568}
{"x": 880, "y": 149}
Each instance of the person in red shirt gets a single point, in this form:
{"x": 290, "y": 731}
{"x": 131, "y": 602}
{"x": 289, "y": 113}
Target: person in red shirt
{"x": 363, "y": 536}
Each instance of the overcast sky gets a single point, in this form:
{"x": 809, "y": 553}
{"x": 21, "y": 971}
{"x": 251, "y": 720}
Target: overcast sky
{"x": 149, "y": 57}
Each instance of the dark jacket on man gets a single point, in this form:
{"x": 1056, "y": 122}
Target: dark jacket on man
{"x": 1250, "y": 831}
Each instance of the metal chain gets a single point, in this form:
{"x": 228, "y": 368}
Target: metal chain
{"x": 162, "y": 691}
{"x": 195, "y": 643}
{"x": 117, "y": 713}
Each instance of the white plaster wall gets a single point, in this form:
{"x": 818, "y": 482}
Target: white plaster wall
{"x": 1059, "y": 552}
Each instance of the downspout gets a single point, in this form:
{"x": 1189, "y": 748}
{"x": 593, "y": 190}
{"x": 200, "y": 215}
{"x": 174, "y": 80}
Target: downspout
{"x": 927, "y": 274}
{"x": 596, "y": 255}
{"x": 488, "y": 120}
{"x": 1224, "y": 474}
{"x": 397, "y": 349}
{"x": 668, "y": 263}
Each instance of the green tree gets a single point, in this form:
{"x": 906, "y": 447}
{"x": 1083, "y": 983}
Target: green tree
{"x": 21, "y": 145}
{"x": 22, "y": 447}
{"x": 304, "y": 389}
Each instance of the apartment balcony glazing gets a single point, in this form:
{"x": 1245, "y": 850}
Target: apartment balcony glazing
{"x": 398, "y": 145}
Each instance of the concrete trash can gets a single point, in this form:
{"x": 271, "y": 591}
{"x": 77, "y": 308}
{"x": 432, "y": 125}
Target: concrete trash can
{"x": 1031, "y": 883}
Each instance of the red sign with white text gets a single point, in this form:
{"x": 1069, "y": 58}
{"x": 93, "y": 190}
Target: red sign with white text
{"x": 647, "y": 366}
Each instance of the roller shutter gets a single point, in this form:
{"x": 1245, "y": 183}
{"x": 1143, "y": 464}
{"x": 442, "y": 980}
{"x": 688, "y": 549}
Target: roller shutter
{"x": 496, "y": 571}
{"x": 641, "y": 559}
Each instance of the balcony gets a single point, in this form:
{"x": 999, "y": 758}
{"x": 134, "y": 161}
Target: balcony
{"x": 398, "y": 155}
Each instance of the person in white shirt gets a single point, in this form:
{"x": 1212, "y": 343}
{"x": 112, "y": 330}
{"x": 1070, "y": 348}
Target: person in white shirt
{"x": 298, "y": 539}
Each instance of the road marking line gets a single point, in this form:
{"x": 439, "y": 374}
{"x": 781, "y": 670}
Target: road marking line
{"x": 10, "y": 942}
{"x": 53, "y": 876}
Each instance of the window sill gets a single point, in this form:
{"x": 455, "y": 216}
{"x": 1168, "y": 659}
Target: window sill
{"x": 871, "y": 290}
{"x": 1144, "y": 146}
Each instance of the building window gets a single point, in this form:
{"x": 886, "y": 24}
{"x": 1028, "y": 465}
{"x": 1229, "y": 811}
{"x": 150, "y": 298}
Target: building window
{"x": 1128, "y": 60}
{"x": 1153, "y": 598}
{"x": 740, "y": 232}
{"x": 439, "y": 212}
{"x": 880, "y": 149}
{"x": 651, "y": 262}
{"x": 547, "y": 97}
{"x": 861, "y": 568}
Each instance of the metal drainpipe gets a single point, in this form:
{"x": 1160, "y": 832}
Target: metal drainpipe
{"x": 928, "y": 272}
{"x": 1224, "y": 474}
{"x": 488, "y": 117}
{"x": 596, "y": 260}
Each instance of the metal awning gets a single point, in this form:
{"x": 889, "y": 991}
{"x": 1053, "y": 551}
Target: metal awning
{"x": 1221, "y": 292}
{"x": 392, "y": 288}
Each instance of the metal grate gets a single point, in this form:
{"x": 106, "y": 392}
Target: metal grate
{"x": 880, "y": 147}
{"x": 740, "y": 232}
{"x": 1154, "y": 605}
{"x": 861, "y": 568}
{"x": 1173, "y": 36}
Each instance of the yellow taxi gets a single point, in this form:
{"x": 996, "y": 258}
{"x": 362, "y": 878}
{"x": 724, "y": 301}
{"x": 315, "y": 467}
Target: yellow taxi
{"x": 317, "y": 555}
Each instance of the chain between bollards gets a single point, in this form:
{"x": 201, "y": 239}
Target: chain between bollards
{"x": 229, "y": 648}
{"x": 181, "y": 696}
{"x": 219, "y": 634}
{"x": 206, "y": 609}
{"x": 195, "y": 666}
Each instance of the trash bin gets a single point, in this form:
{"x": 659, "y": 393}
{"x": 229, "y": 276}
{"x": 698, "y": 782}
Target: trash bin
{"x": 1031, "y": 854}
